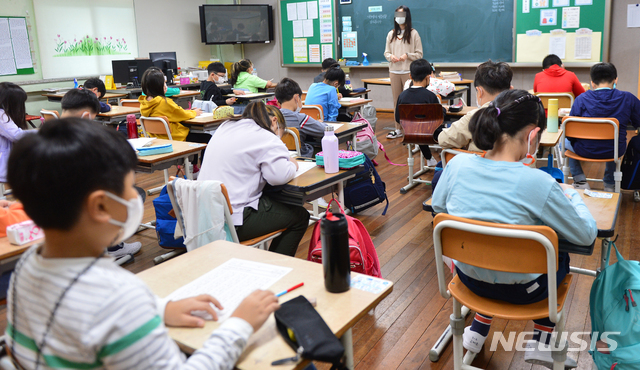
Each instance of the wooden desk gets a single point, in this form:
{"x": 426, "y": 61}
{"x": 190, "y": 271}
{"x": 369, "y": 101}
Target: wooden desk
{"x": 352, "y": 95}
{"x": 30, "y": 118}
{"x": 185, "y": 97}
{"x": 340, "y": 311}
{"x": 550, "y": 139}
{"x": 116, "y": 114}
{"x": 205, "y": 124}
{"x": 386, "y": 82}
{"x": 180, "y": 155}
{"x": 464, "y": 111}
{"x": 348, "y": 131}
{"x": 8, "y": 250}
{"x": 251, "y": 96}
{"x": 108, "y": 96}
{"x": 353, "y": 105}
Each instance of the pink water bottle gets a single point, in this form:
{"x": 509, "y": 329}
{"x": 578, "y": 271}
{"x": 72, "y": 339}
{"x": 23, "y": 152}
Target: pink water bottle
{"x": 330, "y": 150}
{"x": 132, "y": 126}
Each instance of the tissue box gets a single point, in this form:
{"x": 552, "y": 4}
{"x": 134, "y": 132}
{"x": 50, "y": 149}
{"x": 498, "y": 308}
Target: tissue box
{"x": 24, "y": 232}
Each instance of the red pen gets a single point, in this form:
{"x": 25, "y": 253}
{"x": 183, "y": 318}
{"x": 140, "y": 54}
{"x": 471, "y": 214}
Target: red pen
{"x": 290, "y": 289}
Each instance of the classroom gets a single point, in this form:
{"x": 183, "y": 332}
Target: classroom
{"x": 319, "y": 184}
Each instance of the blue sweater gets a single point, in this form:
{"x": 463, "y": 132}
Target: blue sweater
{"x": 606, "y": 103}
{"x": 322, "y": 94}
{"x": 509, "y": 192}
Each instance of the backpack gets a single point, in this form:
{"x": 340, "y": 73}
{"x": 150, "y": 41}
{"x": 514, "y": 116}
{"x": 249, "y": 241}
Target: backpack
{"x": 614, "y": 311}
{"x": 630, "y": 164}
{"x": 165, "y": 223}
{"x": 363, "y": 255}
{"x": 366, "y": 141}
{"x": 365, "y": 190}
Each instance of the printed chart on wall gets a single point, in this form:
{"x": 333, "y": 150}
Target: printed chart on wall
{"x": 307, "y": 30}
{"x": 574, "y": 30}
{"x": 15, "y": 50}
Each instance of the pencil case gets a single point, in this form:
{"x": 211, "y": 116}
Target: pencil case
{"x": 24, "y": 232}
{"x": 347, "y": 159}
{"x": 153, "y": 150}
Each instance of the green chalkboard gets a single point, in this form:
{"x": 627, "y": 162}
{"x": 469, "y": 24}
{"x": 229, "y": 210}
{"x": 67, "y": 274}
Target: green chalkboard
{"x": 303, "y": 49}
{"x": 451, "y": 30}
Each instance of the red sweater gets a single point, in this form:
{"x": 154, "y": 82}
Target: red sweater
{"x": 557, "y": 79}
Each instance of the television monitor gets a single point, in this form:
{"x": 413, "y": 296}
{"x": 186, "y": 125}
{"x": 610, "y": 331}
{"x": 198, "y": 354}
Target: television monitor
{"x": 125, "y": 71}
{"x": 236, "y": 24}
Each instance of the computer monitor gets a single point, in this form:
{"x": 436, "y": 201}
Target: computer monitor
{"x": 125, "y": 71}
{"x": 167, "y": 61}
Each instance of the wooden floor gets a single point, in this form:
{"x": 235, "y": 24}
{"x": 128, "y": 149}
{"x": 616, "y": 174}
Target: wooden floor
{"x": 399, "y": 333}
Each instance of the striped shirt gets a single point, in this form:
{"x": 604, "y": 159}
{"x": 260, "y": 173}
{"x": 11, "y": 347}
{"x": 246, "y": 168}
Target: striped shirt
{"x": 109, "y": 319}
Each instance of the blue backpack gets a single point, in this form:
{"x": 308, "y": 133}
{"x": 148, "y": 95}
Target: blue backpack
{"x": 614, "y": 311}
{"x": 165, "y": 223}
{"x": 365, "y": 190}
{"x": 630, "y": 164}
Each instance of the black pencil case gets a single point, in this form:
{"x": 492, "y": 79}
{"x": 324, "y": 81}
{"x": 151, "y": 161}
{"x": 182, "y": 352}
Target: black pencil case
{"x": 306, "y": 332}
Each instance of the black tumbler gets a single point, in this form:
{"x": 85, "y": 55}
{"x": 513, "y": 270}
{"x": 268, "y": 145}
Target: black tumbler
{"x": 334, "y": 234}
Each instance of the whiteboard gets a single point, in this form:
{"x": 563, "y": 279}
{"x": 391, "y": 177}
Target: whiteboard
{"x": 82, "y": 37}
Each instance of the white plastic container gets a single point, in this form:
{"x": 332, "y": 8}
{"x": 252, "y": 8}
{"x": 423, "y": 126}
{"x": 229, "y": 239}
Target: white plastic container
{"x": 330, "y": 150}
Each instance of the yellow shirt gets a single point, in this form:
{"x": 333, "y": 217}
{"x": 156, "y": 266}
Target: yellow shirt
{"x": 161, "y": 106}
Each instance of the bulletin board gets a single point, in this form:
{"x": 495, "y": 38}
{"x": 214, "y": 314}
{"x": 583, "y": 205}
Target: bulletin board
{"x": 579, "y": 29}
{"x": 307, "y": 31}
{"x": 15, "y": 49}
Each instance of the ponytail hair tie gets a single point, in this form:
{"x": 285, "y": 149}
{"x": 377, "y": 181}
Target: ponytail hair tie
{"x": 498, "y": 109}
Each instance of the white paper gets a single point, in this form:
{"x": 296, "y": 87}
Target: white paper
{"x": 549, "y": 17}
{"x": 336, "y": 126}
{"x": 307, "y": 26}
{"x": 140, "y": 142}
{"x": 558, "y": 46}
{"x": 583, "y": 47}
{"x": 231, "y": 282}
{"x": 327, "y": 51}
{"x": 206, "y": 115}
{"x": 571, "y": 17}
{"x": 584, "y": 2}
{"x": 302, "y": 11}
{"x": 314, "y": 53}
{"x": 312, "y": 10}
{"x": 297, "y": 29}
{"x": 633, "y": 15}
{"x": 525, "y": 6}
{"x": 369, "y": 284}
{"x": 292, "y": 12}
{"x": 20, "y": 41}
{"x": 299, "y": 50}
{"x": 558, "y": 3}
{"x": 7, "y": 62}
{"x": 597, "y": 194}
{"x": 304, "y": 166}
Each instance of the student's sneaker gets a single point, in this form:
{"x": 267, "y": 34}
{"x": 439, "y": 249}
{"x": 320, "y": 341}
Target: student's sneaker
{"x": 581, "y": 185}
{"x": 540, "y": 354}
{"x": 472, "y": 341}
{"x": 609, "y": 188}
{"x": 432, "y": 162}
{"x": 395, "y": 134}
{"x": 123, "y": 249}
{"x": 196, "y": 172}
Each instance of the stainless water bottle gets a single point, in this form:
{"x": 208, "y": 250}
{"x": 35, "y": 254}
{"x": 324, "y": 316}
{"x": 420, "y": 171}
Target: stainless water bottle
{"x": 334, "y": 235}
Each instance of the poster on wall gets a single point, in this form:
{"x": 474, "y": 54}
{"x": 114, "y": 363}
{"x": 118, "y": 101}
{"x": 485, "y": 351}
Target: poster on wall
{"x": 81, "y": 38}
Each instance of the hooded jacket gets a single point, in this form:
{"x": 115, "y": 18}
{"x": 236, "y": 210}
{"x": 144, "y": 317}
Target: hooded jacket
{"x": 605, "y": 102}
{"x": 161, "y": 106}
{"x": 557, "y": 79}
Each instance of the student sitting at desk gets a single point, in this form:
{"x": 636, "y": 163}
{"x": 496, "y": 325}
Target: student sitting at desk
{"x": 13, "y": 124}
{"x": 68, "y": 303}
{"x": 289, "y": 95}
{"x": 245, "y": 154}
{"x": 603, "y": 101}
{"x": 242, "y": 77}
{"x": 554, "y": 78}
{"x": 211, "y": 91}
{"x": 96, "y": 86}
{"x": 437, "y": 86}
{"x": 500, "y": 187}
{"x": 326, "y": 64}
{"x": 325, "y": 94}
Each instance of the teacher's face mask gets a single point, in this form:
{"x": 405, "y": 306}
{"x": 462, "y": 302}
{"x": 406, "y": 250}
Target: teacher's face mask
{"x": 400, "y": 20}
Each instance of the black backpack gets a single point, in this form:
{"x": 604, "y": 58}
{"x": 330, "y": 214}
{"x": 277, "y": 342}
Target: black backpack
{"x": 630, "y": 164}
{"x": 365, "y": 190}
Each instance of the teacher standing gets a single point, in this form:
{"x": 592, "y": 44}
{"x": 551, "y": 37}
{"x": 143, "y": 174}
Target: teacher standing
{"x": 403, "y": 46}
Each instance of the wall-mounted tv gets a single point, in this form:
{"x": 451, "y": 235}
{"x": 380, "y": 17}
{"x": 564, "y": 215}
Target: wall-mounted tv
{"x": 236, "y": 24}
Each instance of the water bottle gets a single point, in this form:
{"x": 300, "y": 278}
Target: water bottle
{"x": 334, "y": 236}
{"x": 132, "y": 126}
{"x": 552, "y": 115}
{"x": 330, "y": 150}
{"x": 347, "y": 82}
{"x": 75, "y": 83}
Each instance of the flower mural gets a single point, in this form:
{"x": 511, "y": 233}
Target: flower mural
{"x": 87, "y": 46}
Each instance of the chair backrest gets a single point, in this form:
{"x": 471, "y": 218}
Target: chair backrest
{"x": 49, "y": 114}
{"x": 314, "y": 111}
{"x": 419, "y": 121}
{"x": 593, "y": 128}
{"x": 130, "y": 103}
{"x": 447, "y": 154}
{"x": 155, "y": 126}
{"x": 291, "y": 139}
{"x": 565, "y": 100}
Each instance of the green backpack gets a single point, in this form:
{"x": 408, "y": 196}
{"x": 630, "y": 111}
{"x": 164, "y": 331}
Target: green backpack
{"x": 614, "y": 311}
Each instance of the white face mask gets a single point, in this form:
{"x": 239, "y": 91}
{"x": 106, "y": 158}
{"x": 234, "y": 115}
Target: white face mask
{"x": 400, "y": 20}
{"x": 477, "y": 101}
{"x": 135, "y": 211}
{"x": 529, "y": 159}
{"x": 299, "y": 107}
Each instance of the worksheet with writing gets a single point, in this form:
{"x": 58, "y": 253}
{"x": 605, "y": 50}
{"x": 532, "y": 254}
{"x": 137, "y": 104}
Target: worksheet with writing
{"x": 304, "y": 166}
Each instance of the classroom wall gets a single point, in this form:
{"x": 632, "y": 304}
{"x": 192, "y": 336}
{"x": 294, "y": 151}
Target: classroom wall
{"x": 625, "y": 47}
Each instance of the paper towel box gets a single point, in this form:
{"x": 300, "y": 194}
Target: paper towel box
{"x": 24, "y": 232}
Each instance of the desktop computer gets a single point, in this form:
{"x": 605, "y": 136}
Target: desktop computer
{"x": 167, "y": 61}
{"x": 125, "y": 71}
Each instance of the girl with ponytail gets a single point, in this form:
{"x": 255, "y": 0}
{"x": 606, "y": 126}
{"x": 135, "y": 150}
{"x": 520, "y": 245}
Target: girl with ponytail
{"x": 497, "y": 187}
{"x": 242, "y": 77}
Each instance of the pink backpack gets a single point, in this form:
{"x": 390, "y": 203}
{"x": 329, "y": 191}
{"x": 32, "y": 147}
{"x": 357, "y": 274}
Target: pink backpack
{"x": 366, "y": 141}
{"x": 363, "y": 255}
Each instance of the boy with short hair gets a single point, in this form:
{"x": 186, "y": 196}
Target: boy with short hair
{"x": 71, "y": 307}
{"x": 554, "y": 78}
{"x": 211, "y": 91}
{"x": 603, "y": 101}
{"x": 96, "y": 86}
{"x": 326, "y": 64}
{"x": 420, "y": 72}
{"x": 81, "y": 103}
{"x": 289, "y": 95}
